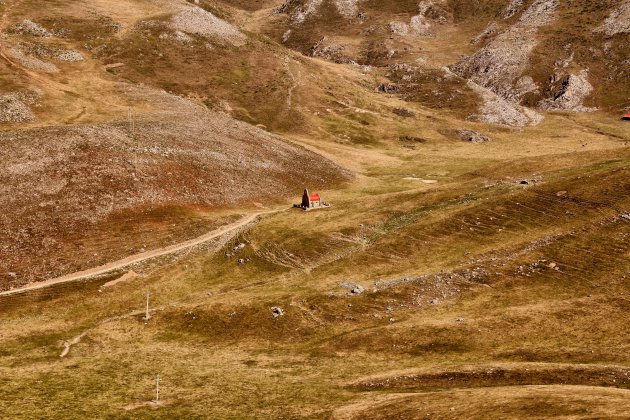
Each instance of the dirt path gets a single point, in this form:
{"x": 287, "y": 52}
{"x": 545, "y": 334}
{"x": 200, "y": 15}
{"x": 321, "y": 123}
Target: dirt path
{"x": 115, "y": 265}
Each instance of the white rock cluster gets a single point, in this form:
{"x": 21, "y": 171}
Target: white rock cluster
{"x": 14, "y": 107}
{"x": 618, "y": 22}
{"x": 28, "y": 27}
{"x": 32, "y": 63}
{"x": 347, "y": 8}
{"x": 68, "y": 55}
{"x": 194, "y": 20}
{"x": 499, "y": 66}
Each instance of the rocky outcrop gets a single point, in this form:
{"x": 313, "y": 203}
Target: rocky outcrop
{"x": 55, "y": 52}
{"x": 194, "y": 20}
{"x": 430, "y": 13}
{"x": 618, "y": 22}
{"x": 347, "y": 8}
{"x": 31, "y": 28}
{"x": 496, "y": 70}
{"x": 513, "y": 8}
{"x": 30, "y": 62}
{"x": 500, "y": 64}
{"x": 398, "y": 28}
{"x": 569, "y": 93}
{"x": 298, "y": 13}
{"x": 491, "y": 29}
{"x": 14, "y": 110}
{"x": 497, "y": 110}
{"x": 333, "y": 52}
{"x": 15, "y": 106}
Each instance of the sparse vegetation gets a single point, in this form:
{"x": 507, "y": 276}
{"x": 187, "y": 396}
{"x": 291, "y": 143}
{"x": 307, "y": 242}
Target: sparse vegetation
{"x": 452, "y": 277}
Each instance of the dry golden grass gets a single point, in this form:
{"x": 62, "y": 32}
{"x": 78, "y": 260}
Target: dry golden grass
{"x": 529, "y": 281}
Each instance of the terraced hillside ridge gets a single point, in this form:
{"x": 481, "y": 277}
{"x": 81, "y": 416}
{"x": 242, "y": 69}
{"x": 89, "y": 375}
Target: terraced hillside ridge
{"x": 473, "y": 261}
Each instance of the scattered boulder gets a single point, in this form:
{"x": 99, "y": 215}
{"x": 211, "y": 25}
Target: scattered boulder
{"x": 239, "y": 247}
{"x": 388, "y": 88}
{"x": 472, "y": 136}
{"x": 55, "y": 52}
{"x": 412, "y": 139}
{"x": 277, "y": 311}
{"x": 404, "y": 112}
{"x": 357, "y": 290}
{"x": 354, "y": 289}
{"x": 68, "y": 55}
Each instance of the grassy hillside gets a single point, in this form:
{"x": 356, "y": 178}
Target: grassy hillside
{"x": 449, "y": 279}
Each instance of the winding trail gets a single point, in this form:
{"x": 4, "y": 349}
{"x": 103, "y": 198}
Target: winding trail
{"x": 136, "y": 258}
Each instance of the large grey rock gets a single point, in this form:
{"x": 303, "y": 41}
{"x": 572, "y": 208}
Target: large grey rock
{"x": 472, "y": 136}
{"x": 277, "y": 311}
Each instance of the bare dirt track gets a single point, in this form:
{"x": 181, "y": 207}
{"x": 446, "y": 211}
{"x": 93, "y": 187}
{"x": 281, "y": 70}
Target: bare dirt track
{"x": 133, "y": 259}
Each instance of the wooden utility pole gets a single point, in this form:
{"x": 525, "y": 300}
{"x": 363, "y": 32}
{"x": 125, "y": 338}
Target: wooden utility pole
{"x": 147, "y": 316}
{"x": 132, "y": 122}
{"x": 157, "y": 389}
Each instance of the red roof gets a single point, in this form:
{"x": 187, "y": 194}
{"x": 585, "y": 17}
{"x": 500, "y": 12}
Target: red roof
{"x": 314, "y": 197}
{"x": 627, "y": 116}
